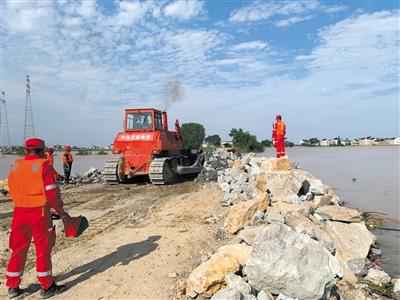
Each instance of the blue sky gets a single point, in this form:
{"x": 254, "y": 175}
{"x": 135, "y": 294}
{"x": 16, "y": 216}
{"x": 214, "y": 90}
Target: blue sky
{"x": 329, "y": 67}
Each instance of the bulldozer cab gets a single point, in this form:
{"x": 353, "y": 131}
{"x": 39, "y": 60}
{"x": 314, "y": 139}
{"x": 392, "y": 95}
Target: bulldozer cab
{"x": 144, "y": 120}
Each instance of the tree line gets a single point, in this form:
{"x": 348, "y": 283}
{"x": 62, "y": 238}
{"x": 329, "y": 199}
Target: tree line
{"x": 194, "y": 135}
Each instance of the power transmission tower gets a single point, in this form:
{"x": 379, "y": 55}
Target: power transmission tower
{"x": 29, "y": 128}
{"x": 4, "y": 121}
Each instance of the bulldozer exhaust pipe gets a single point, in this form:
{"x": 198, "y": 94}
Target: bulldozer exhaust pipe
{"x": 165, "y": 120}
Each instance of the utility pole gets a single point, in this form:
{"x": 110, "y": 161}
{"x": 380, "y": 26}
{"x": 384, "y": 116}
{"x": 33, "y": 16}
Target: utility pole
{"x": 4, "y": 121}
{"x": 29, "y": 128}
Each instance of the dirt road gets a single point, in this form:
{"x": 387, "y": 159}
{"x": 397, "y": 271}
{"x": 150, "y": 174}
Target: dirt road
{"x": 142, "y": 240}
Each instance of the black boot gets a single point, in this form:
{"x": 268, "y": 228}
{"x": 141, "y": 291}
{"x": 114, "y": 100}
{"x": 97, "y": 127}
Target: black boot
{"x": 14, "y": 292}
{"x": 53, "y": 290}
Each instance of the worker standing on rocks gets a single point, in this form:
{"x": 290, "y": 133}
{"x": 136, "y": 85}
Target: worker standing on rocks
{"x": 34, "y": 192}
{"x": 67, "y": 160}
{"x": 278, "y": 136}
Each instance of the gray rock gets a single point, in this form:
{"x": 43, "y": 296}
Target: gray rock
{"x": 227, "y": 294}
{"x": 236, "y": 282}
{"x": 317, "y": 187}
{"x": 249, "y": 234}
{"x": 273, "y": 217}
{"x": 396, "y": 288}
{"x": 91, "y": 172}
{"x": 302, "y": 224}
{"x": 358, "y": 266}
{"x": 258, "y": 218}
{"x": 249, "y": 297}
{"x": 376, "y": 251}
{"x": 284, "y": 261}
{"x": 284, "y": 297}
{"x": 378, "y": 277}
{"x": 262, "y": 295}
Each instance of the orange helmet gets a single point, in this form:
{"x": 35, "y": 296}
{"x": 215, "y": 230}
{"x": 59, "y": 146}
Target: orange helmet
{"x": 34, "y": 143}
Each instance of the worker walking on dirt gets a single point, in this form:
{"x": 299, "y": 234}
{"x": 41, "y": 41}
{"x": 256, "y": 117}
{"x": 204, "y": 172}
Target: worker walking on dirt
{"x": 34, "y": 192}
{"x": 278, "y": 136}
{"x": 67, "y": 160}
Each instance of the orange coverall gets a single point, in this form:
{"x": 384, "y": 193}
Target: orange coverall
{"x": 34, "y": 192}
{"x": 278, "y": 137}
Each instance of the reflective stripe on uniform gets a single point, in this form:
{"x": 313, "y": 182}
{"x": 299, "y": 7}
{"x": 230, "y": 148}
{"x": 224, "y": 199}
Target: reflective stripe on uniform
{"x": 13, "y": 274}
{"x": 43, "y": 274}
{"x": 50, "y": 187}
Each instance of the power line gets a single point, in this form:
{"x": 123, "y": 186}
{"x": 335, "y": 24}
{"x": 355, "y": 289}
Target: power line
{"x": 4, "y": 121}
{"x": 29, "y": 128}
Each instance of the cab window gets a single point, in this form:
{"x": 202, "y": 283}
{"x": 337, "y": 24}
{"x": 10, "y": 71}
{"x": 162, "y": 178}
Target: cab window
{"x": 139, "y": 120}
{"x": 158, "y": 120}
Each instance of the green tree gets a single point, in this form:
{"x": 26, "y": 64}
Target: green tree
{"x": 244, "y": 141}
{"x": 289, "y": 144}
{"x": 193, "y": 135}
{"x": 266, "y": 143}
{"x": 213, "y": 140}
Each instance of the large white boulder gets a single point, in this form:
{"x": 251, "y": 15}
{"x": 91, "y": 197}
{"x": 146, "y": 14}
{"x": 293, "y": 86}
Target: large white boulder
{"x": 339, "y": 213}
{"x": 209, "y": 277}
{"x": 352, "y": 241}
{"x": 378, "y": 277}
{"x": 287, "y": 262}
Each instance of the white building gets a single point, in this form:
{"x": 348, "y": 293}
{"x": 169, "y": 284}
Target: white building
{"x": 396, "y": 141}
{"x": 367, "y": 142}
{"x": 324, "y": 143}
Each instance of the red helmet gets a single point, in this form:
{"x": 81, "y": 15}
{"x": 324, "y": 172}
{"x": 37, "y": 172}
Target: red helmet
{"x": 50, "y": 150}
{"x": 67, "y": 148}
{"x": 34, "y": 143}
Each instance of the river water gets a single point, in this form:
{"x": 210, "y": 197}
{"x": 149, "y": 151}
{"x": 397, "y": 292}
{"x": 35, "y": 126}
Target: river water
{"x": 364, "y": 177}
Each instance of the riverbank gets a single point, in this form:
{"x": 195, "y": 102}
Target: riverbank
{"x": 289, "y": 237}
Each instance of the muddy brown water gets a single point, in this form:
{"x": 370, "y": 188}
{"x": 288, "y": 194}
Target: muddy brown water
{"x": 365, "y": 177}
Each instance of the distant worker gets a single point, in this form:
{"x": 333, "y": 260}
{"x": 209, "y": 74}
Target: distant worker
{"x": 50, "y": 156}
{"x": 67, "y": 160}
{"x": 278, "y": 136}
{"x": 34, "y": 192}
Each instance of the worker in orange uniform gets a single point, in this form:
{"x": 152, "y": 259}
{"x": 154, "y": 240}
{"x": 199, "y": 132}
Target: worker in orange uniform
{"x": 278, "y": 136}
{"x": 34, "y": 192}
{"x": 67, "y": 160}
{"x": 50, "y": 156}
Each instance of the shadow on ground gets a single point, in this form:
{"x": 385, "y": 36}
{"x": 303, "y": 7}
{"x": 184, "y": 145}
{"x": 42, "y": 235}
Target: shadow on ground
{"x": 123, "y": 255}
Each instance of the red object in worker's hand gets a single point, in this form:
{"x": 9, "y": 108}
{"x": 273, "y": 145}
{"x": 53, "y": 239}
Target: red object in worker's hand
{"x": 75, "y": 226}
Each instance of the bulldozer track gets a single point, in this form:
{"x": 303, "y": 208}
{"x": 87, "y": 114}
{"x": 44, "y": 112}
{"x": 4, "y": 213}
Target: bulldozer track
{"x": 110, "y": 171}
{"x": 160, "y": 172}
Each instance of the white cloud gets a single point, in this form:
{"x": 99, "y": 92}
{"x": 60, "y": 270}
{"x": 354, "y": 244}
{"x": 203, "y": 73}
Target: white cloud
{"x": 21, "y": 16}
{"x": 265, "y": 11}
{"x": 87, "y": 8}
{"x": 291, "y": 21}
{"x": 103, "y": 63}
{"x": 184, "y": 9}
{"x": 254, "y": 45}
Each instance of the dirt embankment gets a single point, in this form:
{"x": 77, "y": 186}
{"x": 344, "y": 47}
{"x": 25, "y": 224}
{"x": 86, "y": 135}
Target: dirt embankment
{"x": 141, "y": 242}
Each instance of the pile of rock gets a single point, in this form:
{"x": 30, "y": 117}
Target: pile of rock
{"x": 238, "y": 182}
{"x": 215, "y": 163}
{"x": 93, "y": 175}
{"x": 297, "y": 241}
